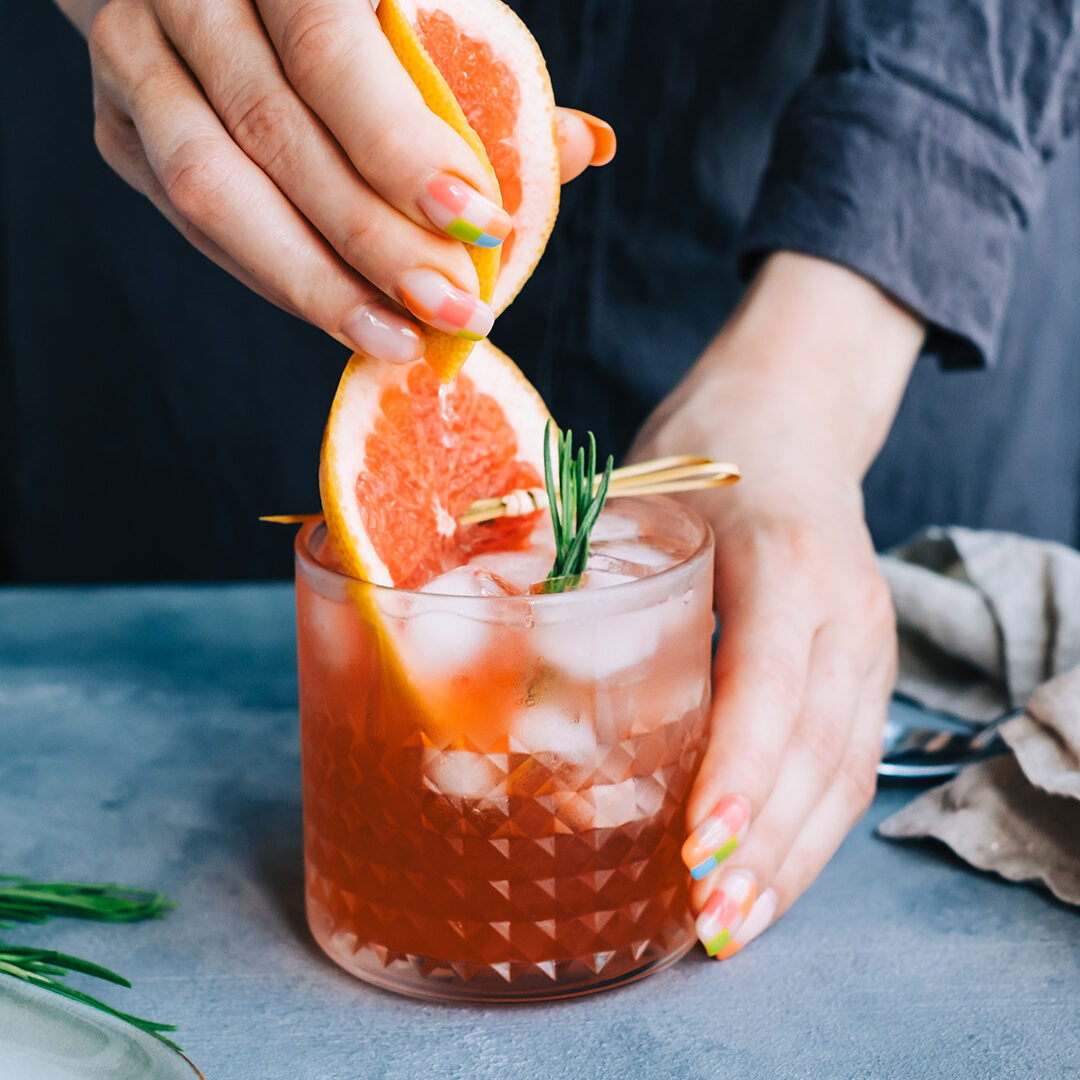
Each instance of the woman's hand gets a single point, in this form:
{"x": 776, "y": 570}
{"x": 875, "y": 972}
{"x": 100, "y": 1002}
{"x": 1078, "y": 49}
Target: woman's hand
{"x": 799, "y": 390}
{"x": 287, "y": 143}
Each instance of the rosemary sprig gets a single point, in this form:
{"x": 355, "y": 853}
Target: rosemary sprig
{"x": 23, "y": 900}
{"x": 575, "y": 502}
{"x": 45, "y": 968}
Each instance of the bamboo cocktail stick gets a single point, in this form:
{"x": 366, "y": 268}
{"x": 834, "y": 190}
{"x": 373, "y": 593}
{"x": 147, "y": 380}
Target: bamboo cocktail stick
{"x": 657, "y": 477}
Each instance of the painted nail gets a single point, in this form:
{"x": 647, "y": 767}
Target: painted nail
{"x": 431, "y": 297}
{"x": 603, "y": 137}
{"x": 460, "y": 210}
{"x": 758, "y": 920}
{"x": 374, "y": 331}
{"x": 717, "y": 836}
{"x": 726, "y": 908}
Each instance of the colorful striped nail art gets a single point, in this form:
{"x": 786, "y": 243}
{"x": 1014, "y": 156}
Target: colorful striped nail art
{"x": 432, "y": 298}
{"x": 462, "y": 212}
{"x": 717, "y": 837}
{"x": 756, "y": 920}
{"x": 724, "y": 911}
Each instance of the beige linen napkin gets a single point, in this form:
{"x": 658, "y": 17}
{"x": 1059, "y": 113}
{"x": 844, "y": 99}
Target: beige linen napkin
{"x": 988, "y": 622}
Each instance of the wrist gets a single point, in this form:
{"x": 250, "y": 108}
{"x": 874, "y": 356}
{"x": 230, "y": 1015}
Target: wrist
{"x": 816, "y": 351}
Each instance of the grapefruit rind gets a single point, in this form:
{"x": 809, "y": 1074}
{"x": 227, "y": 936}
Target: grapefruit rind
{"x": 444, "y": 352}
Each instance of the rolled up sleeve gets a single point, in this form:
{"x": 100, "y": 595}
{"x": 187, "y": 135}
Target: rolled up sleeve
{"x": 915, "y": 154}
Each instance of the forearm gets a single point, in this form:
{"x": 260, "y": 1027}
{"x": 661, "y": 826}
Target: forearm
{"x": 909, "y": 157}
{"x": 813, "y": 362}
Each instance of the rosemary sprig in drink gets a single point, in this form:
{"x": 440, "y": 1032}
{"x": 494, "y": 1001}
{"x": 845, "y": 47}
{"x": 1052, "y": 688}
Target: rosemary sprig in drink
{"x": 575, "y": 502}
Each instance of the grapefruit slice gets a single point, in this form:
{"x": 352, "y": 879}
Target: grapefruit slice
{"x": 480, "y": 70}
{"x": 404, "y": 455}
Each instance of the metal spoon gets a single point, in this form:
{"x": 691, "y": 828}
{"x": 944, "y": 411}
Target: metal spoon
{"x": 919, "y": 742}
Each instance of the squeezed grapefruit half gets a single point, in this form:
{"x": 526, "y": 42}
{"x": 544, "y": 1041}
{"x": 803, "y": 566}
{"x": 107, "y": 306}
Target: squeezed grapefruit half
{"x": 479, "y": 69}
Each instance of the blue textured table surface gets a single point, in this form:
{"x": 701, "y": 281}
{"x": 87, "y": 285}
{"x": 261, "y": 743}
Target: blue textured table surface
{"x": 149, "y": 735}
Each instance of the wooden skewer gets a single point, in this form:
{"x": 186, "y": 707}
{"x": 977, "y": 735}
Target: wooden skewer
{"x": 291, "y": 519}
{"x": 690, "y": 477}
{"x": 662, "y": 476}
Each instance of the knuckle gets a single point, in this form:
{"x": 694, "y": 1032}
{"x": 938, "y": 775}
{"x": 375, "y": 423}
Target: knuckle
{"x": 310, "y": 39}
{"x": 877, "y": 600}
{"x": 108, "y": 32}
{"x": 104, "y": 138}
{"x": 263, "y": 123}
{"x": 799, "y": 543}
{"x": 858, "y": 775}
{"x": 822, "y": 742}
{"x": 770, "y": 845}
{"x": 109, "y": 142}
{"x": 778, "y": 679}
{"x": 197, "y": 180}
{"x": 362, "y": 238}
{"x": 387, "y": 145}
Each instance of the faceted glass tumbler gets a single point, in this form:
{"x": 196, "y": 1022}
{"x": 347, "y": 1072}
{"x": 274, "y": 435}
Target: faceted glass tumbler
{"x": 494, "y": 787}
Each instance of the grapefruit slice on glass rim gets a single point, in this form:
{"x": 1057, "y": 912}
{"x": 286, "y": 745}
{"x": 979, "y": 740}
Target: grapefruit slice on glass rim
{"x": 480, "y": 70}
{"x": 405, "y": 454}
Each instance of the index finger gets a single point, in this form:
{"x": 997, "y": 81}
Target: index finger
{"x": 338, "y": 60}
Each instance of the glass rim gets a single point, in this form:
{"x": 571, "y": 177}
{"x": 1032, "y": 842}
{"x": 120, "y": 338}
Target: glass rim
{"x": 702, "y": 549}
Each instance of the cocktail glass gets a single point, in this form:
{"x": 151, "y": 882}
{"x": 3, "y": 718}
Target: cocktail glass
{"x": 494, "y": 785}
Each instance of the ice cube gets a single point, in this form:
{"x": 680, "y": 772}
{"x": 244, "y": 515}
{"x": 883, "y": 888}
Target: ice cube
{"x": 544, "y": 728}
{"x": 335, "y": 630}
{"x": 589, "y": 652}
{"x": 437, "y": 642}
{"x": 470, "y": 581}
{"x": 639, "y": 554}
{"x": 600, "y": 578}
{"x": 611, "y": 526}
{"x": 520, "y": 568}
{"x": 464, "y": 774}
{"x": 603, "y": 568}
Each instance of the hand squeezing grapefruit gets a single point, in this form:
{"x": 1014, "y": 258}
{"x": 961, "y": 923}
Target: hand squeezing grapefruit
{"x": 408, "y": 448}
{"x": 479, "y": 69}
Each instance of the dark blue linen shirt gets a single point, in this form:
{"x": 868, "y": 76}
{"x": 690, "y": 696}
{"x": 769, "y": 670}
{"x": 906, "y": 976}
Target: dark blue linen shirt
{"x": 150, "y": 408}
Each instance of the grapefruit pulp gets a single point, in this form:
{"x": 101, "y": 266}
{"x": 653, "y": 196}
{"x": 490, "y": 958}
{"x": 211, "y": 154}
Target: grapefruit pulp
{"x": 404, "y": 455}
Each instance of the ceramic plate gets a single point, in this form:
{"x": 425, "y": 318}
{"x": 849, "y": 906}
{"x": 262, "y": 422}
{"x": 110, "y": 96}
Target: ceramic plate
{"x": 44, "y": 1036}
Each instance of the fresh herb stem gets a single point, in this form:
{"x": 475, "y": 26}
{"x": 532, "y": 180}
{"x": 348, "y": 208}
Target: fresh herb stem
{"x": 575, "y": 503}
{"x": 24, "y": 900}
{"x": 45, "y": 968}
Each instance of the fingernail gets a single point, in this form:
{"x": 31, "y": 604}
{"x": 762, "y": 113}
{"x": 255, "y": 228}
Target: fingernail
{"x": 374, "y": 331}
{"x": 461, "y": 211}
{"x": 603, "y": 137}
{"x": 725, "y": 910}
{"x": 717, "y": 836}
{"x": 758, "y": 920}
{"x": 431, "y": 297}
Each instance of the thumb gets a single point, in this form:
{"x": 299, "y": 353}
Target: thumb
{"x": 584, "y": 140}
